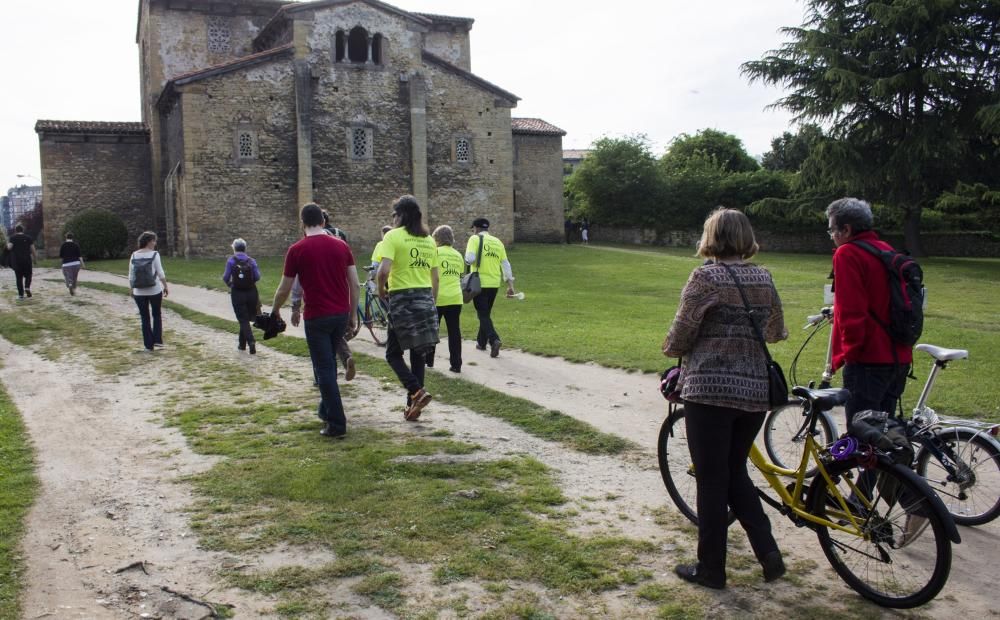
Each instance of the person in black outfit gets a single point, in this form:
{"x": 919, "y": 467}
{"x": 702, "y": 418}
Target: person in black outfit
{"x": 22, "y": 256}
{"x": 241, "y": 276}
{"x": 72, "y": 262}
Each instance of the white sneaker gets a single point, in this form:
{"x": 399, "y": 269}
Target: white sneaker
{"x": 912, "y": 529}
{"x": 159, "y": 345}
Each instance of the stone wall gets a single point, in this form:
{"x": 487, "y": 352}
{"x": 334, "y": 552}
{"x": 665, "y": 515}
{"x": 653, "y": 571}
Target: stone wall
{"x": 538, "y": 188}
{"x": 93, "y": 170}
{"x": 221, "y": 196}
{"x": 935, "y": 244}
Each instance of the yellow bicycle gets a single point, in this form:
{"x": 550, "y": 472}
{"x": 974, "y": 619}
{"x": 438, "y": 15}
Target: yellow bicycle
{"x": 886, "y": 534}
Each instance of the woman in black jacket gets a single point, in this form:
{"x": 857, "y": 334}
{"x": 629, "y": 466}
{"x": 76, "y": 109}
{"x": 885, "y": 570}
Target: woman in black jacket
{"x": 72, "y": 262}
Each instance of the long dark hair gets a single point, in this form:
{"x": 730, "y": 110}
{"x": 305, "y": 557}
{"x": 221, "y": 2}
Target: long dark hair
{"x": 410, "y": 217}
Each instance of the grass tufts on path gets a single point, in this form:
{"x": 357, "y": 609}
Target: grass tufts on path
{"x": 18, "y": 487}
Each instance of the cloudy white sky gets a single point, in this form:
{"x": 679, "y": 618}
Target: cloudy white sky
{"x": 592, "y": 67}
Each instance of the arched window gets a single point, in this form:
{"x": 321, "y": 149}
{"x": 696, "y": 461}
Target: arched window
{"x": 357, "y": 45}
{"x": 339, "y": 46}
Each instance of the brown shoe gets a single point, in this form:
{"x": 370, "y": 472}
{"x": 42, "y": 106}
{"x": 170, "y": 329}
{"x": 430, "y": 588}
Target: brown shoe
{"x": 349, "y": 369}
{"x": 418, "y": 400}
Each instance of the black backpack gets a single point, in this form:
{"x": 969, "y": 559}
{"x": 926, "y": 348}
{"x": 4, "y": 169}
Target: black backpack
{"x": 242, "y": 274}
{"x": 906, "y": 294}
{"x": 143, "y": 272}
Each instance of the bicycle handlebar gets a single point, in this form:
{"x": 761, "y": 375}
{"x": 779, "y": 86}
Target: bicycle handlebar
{"x": 815, "y": 319}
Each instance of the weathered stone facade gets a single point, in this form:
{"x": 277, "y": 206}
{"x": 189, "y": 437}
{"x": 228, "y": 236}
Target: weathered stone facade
{"x": 88, "y": 165}
{"x": 256, "y": 106}
{"x": 538, "y": 181}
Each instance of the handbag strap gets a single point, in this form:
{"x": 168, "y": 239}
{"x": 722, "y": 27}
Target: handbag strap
{"x": 479, "y": 255}
{"x": 746, "y": 304}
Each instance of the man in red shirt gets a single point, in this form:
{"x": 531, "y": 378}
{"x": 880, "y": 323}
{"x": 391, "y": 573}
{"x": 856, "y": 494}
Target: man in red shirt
{"x": 875, "y": 367}
{"x": 329, "y": 280}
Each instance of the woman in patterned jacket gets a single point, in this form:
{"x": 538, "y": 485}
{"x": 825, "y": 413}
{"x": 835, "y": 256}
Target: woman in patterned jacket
{"x": 725, "y": 390}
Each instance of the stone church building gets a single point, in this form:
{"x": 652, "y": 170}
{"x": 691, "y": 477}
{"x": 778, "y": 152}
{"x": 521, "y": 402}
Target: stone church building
{"x": 251, "y": 108}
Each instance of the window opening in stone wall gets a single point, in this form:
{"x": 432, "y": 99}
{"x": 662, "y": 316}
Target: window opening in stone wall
{"x": 219, "y": 34}
{"x": 377, "y": 49}
{"x": 360, "y": 143}
{"x": 357, "y": 45}
{"x": 246, "y": 145}
{"x": 339, "y": 46}
{"x": 462, "y": 151}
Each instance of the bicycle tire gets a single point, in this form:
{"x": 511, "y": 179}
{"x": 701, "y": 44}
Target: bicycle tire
{"x": 377, "y": 320}
{"x": 676, "y": 468}
{"x": 784, "y": 434}
{"x": 879, "y": 566}
{"x": 976, "y": 457}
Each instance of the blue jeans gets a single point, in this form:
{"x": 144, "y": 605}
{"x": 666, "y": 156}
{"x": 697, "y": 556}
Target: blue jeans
{"x": 322, "y": 335}
{"x": 151, "y": 334}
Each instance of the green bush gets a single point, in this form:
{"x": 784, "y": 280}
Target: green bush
{"x": 100, "y": 233}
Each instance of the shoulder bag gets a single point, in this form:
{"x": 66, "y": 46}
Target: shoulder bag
{"x": 471, "y": 285}
{"x": 776, "y": 384}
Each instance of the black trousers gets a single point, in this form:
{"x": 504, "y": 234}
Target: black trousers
{"x": 22, "y": 274}
{"x": 874, "y": 386}
{"x": 245, "y": 302}
{"x": 451, "y": 316}
{"x": 483, "y": 303}
{"x": 719, "y": 440}
{"x": 411, "y": 377}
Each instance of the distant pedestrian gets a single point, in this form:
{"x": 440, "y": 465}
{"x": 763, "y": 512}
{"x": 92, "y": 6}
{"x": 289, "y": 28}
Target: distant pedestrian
{"x": 585, "y": 232}
{"x": 241, "y": 276}
{"x": 451, "y": 266}
{"x": 148, "y": 284}
{"x": 493, "y": 267}
{"x": 408, "y": 280}
{"x": 22, "y": 257}
{"x": 325, "y": 267}
{"x": 72, "y": 262}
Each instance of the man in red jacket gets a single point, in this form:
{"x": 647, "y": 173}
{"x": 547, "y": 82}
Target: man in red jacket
{"x": 875, "y": 367}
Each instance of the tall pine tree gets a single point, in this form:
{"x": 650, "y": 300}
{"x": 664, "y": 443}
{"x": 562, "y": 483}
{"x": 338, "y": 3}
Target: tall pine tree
{"x": 909, "y": 89}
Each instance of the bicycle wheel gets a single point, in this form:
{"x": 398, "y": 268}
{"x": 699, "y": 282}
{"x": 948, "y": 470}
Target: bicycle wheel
{"x": 885, "y": 565}
{"x": 676, "y": 468}
{"x": 785, "y": 434}
{"x": 972, "y": 494}
{"x": 377, "y": 320}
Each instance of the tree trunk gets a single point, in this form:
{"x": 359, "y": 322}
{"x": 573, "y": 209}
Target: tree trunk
{"x": 911, "y": 232}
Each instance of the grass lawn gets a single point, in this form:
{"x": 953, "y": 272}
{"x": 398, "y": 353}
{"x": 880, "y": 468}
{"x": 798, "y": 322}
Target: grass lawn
{"x": 613, "y": 305}
{"x": 18, "y": 486}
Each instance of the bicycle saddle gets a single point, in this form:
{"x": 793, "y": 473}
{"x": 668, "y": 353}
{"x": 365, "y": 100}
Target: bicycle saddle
{"x": 941, "y": 354}
{"x": 823, "y": 399}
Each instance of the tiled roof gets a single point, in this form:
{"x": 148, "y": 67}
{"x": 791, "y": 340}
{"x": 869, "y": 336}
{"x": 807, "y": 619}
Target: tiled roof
{"x": 448, "y": 19}
{"x": 575, "y": 153}
{"x": 90, "y": 127}
{"x": 534, "y": 127}
{"x": 471, "y": 77}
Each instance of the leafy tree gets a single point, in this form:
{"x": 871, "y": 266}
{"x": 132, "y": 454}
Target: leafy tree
{"x": 618, "y": 183}
{"x": 33, "y": 223}
{"x": 100, "y": 233}
{"x": 722, "y": 149}
{"x": 790, "y": 150}
{"x": 909, "y": 89}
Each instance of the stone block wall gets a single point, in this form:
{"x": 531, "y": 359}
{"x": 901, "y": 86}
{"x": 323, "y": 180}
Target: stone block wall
{"x": 538, "y": 188}
{"x": 221, "y": 196}
{"x": 87, "y": 170}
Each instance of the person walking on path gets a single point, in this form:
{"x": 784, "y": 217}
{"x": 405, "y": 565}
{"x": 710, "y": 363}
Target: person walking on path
{"x": 72, "y": 262}
{"x": 493, "y": 267}
{"x": 408, "y": 280}
{"x": 725, "y": 390}
{"x": 148, "y": 284}
{"x": 875, "y": 366}
{"x": 325, "y": 268}
{"x": 450, "y": 266}
{"x": 22, "y": 257}
{"x": 241, "y": 276}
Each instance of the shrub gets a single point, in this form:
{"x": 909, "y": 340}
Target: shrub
{"x": 100, "y": 233}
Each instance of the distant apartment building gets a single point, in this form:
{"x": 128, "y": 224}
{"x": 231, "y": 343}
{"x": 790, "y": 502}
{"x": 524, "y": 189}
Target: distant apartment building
{"x": 21, "y": 200}
{"x": 5, "y": 213}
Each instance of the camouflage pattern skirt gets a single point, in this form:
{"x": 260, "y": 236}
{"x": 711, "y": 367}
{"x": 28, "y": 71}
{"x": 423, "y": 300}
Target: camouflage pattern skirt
{"x": 413, "y": 318}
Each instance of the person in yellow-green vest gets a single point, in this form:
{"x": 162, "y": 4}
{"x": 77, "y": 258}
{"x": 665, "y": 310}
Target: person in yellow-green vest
{"x": 450, "y": 267}
{"x": 408, "y": 280}
{"x": 493, "y": 268}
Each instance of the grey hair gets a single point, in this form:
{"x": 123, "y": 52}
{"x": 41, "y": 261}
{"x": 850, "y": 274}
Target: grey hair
{"x": 444, "y": 235}
{"x": 239, "y": 245}
{"x": 851, "y": 211}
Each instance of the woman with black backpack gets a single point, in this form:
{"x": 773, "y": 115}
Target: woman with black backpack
{"x": 241, "y": 277}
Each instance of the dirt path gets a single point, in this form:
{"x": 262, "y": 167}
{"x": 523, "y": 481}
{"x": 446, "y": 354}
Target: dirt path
{"x": 110, "y": 494}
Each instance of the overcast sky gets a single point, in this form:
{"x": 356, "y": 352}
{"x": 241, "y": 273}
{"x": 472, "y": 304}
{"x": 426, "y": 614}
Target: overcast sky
{"x": 593, "y": 68}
